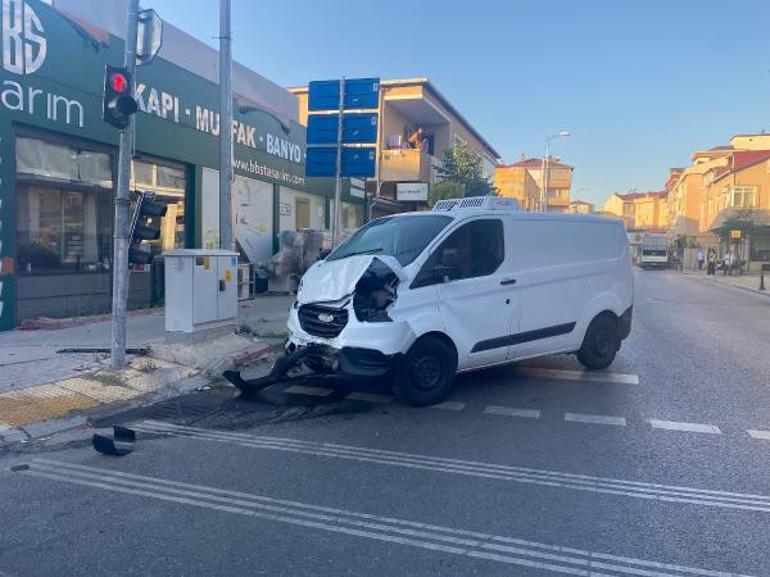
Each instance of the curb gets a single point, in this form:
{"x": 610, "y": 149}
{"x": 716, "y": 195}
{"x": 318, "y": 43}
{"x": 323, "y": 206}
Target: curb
{"x": 728, "y": 284}
{"x": 12, "y": 437}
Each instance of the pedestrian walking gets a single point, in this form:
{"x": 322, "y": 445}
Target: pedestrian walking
{"x": 727, "y": 263}
{"x": 701, "y": 259}
{"x": 711, "y": 267}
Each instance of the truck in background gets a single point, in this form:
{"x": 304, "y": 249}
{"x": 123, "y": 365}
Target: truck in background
{"x": 654, "y": 251}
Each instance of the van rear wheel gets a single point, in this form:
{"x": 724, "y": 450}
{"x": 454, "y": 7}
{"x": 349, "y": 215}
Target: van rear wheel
{"x": 600, "y": 344}
{"x": 426, "y": 374}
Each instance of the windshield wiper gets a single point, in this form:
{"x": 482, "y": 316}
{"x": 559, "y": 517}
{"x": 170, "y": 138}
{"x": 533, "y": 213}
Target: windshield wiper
{"x": 360, "y": 252}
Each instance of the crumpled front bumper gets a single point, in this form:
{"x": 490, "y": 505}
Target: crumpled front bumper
{"x": 388, "y": 338}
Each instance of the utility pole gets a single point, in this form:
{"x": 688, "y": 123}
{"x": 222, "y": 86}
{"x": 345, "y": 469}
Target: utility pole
{"x": 122, "y": 201}
{"x": 226, "y": 237}
{"x": 545, "y": 174}
{"x": 338, "y": 181}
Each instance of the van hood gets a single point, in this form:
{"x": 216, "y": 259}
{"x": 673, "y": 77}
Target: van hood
{"x": 328, "y": 281}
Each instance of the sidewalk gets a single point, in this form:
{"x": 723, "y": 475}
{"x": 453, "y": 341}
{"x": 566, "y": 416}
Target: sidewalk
{"x": 43, "y": 391}
{"x": 744, "y": 282}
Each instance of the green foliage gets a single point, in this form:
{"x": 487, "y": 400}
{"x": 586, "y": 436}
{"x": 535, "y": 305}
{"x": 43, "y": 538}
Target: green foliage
{"x": 445, "y": 189}
{"x": 464, "y": 167}
{"x": 743, "y": 220}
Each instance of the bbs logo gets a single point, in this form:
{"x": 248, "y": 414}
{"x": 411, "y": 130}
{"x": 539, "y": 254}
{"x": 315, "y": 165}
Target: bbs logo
{"x": 24, "y": 43}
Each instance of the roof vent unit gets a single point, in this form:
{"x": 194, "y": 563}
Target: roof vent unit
{"x": 477, "y": 203}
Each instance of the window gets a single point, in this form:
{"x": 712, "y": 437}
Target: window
{"x": 403, "y": 237}
{"x": 741, "y": 197}
{"x": 62, "y": 230}
{"x": 475, "y": 249}
{"x": 63, "y": 207}
{"x": 302, "y": 212}
{"x": 169, "y": 183}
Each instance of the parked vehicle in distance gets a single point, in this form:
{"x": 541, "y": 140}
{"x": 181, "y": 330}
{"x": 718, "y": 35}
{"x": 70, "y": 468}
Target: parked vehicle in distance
{"x": 473, "y": 283}
{"x": 654, "y": 251}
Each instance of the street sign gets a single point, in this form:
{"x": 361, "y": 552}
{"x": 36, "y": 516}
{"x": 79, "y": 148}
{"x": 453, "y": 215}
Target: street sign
{"x": 321, "y": 162}
{"x": 412, "y": 191}
{"x": 322, "y": 128}
{"x": 357, "y": 128}
{"x": 358, "y": 162}
{"x": 360, "y": 93}
{"x": 149, "y": 36}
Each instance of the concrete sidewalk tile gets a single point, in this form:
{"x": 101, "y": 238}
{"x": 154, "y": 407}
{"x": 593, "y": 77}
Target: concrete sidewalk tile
{"x": 99, "y": 391}
{"x": 20, "y": 408}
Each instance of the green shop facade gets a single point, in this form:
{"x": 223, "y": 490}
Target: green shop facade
{"x": 58, "y": 163}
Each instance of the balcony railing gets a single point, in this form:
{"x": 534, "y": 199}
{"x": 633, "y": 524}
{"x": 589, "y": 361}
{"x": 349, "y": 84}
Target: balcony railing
{"x": 407, "y": 164}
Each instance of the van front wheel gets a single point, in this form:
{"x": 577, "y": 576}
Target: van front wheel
{"x": 426, "y": 374}
{"x": 600, "y": 343}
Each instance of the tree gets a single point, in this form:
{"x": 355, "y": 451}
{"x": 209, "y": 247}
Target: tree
{"x": 463, "y": 166}
{"x": 445, "y": 189}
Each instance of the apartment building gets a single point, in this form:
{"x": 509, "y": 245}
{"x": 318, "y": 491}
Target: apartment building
{"x": 640, "y": 211}
{"x": 524, "y": 181}
{"x": 406, "y": 106}
{"x": 581, "y": 207}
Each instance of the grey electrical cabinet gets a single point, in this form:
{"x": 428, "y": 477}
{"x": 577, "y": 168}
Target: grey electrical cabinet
{"x": 201, "y": 289}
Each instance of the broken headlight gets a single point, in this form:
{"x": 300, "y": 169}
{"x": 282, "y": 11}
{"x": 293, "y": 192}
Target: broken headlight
{"x": 375, "y": 292}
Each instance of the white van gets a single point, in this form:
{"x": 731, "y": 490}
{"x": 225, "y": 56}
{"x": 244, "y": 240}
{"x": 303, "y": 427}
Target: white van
{"x": 473, "y": 283}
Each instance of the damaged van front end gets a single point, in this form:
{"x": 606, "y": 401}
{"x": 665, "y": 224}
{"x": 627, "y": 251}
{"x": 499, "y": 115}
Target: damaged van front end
{"x": 346, "y": 310}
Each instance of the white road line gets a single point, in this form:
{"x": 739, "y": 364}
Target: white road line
{"x": 449, "y": 406}
{"x": 591, "y": 376}
{"x": 509, "y": 550}
{"x": 687, "y": 427}
{"x": 422, "y": 462}
{"x": 512, "y": 412}
{"x": 369, "y": 397}
{"x": 595, "y": 419}
{"x": 305, "y": 390}
{"x": 763, "y": 435}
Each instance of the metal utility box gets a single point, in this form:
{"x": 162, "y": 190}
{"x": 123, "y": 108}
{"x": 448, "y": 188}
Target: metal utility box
{"x": 201, "y": 289}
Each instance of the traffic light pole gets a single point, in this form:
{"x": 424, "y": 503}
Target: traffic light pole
{"x": 226, "y": 234}
{"x": 122, "y": 201}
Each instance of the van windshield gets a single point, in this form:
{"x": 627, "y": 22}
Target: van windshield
{"x": 403, "y": 237}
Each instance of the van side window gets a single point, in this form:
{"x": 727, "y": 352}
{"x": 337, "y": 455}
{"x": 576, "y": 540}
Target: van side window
{"x": 475, "y": 249}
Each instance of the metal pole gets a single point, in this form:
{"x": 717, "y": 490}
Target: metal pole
{"x": 226, "y": 238}
{"x": 122, "y": 201}
{"x": 338, "y": 182}
{"x": 545, "y": 174}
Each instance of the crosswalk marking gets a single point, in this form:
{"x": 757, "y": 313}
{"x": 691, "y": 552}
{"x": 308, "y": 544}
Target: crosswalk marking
{"x": 755, "y": 434}
{"x": 512, "y": 412}
{"x": 595, "y": 419}
{"x": 591, "y": 376}
{"x": 687, "y": 427}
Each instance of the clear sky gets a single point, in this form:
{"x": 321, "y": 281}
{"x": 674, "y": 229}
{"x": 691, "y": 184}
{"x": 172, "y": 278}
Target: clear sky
{"x": 639, "y": 84}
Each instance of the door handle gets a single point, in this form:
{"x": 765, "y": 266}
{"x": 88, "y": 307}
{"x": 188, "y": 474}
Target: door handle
{"x": 508, "y": 281}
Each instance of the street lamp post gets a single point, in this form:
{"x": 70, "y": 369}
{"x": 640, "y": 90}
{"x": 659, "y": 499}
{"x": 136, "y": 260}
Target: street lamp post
{"x": 544, "y": 193}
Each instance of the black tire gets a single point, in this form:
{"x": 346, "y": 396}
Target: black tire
{"x": 600, "y": 343}
{"x": 426, "y": 374}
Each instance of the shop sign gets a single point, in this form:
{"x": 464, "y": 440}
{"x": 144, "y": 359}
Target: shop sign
{"x": 285, "y": 209}
{"x": 412, "y": 191}
{"x": 735, "y": 234}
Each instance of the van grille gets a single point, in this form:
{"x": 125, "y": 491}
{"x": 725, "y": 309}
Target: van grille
{"x": 310, "y": 319}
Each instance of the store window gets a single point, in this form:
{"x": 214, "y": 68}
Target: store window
{"x": 63, "y": 208}
{"x": 168, "y": 182}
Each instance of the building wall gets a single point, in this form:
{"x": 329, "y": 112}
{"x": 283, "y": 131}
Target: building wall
{"x": 516, "y": 182}
{"x": 717, "y": 203}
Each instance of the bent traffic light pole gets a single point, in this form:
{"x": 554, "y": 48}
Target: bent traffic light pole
{"x": 121, "y": 233}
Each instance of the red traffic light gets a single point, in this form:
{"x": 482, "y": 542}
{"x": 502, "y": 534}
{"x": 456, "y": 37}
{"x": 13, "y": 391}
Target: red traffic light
{"x": 118, "y": 82}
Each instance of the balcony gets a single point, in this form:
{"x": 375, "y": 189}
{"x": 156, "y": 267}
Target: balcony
{"x": 407, "y": 165}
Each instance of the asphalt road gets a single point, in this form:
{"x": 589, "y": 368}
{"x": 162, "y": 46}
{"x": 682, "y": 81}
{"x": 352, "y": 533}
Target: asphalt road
{"x": 656, "y": 468}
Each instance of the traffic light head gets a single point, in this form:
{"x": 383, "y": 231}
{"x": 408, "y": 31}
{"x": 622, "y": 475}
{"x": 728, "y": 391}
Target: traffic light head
{"x": 119, "y": 103}
{"x": 146, "y": 226}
